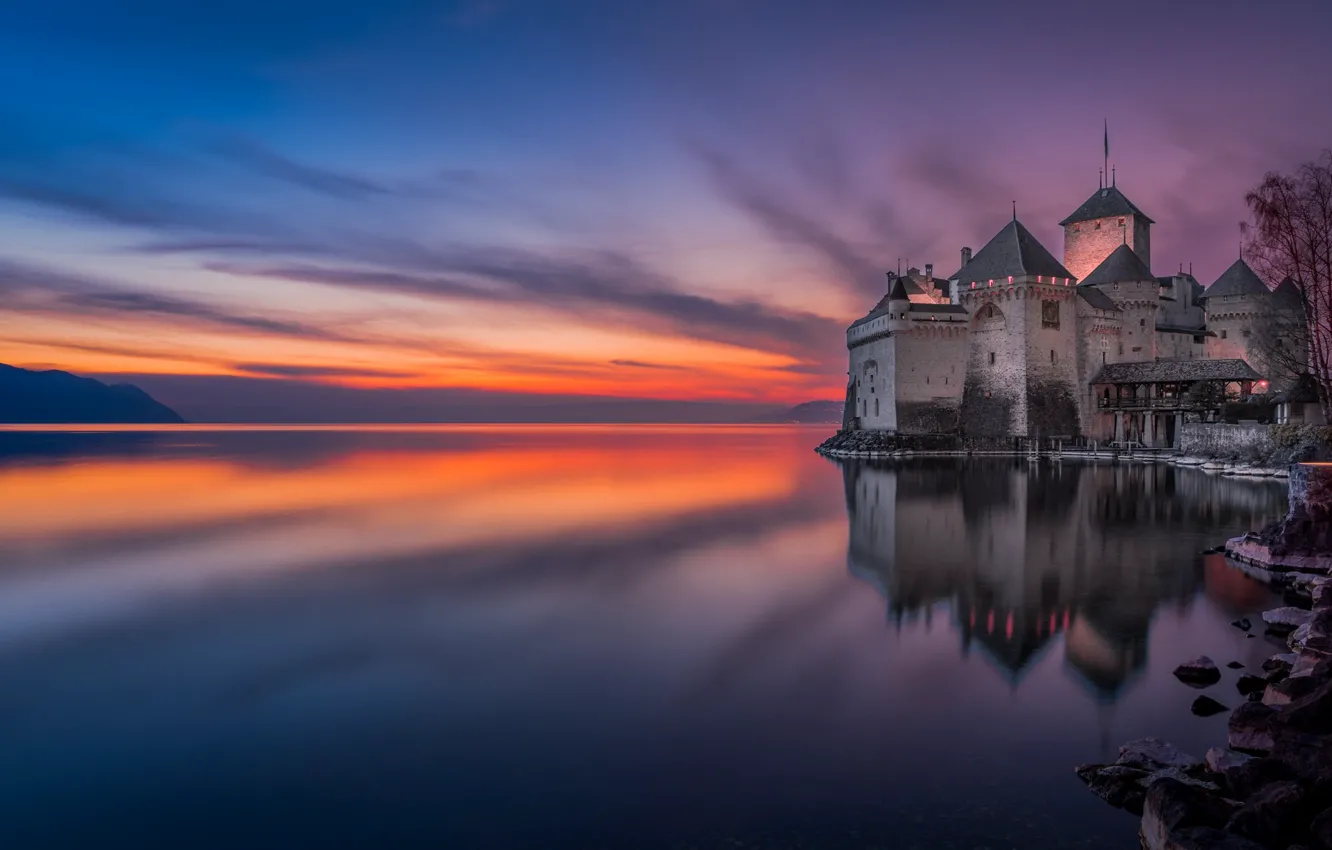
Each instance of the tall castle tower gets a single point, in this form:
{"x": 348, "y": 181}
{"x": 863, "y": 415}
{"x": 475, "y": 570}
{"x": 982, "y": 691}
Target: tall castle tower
{"x": 1021, "y": 373}
{"x": 1105, "y": 221}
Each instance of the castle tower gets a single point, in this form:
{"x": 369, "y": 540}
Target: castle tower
{"x": 1127, "y": 280}
{"x": 1021, "y": 373}
{"x": 1234, "y": 304}
{"x": 1105, "y": 221}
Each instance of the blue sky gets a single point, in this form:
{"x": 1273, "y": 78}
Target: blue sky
{"x": 627, "y": 200}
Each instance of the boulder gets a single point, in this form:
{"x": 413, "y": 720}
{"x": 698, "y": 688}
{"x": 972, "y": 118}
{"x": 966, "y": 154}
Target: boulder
{"x": 1306, "y": 755}
{"x": 1120, "y": 786}
{"x": 1201, "y": 672}
{"x": 1244, "y": 779}
{"x": 1282, "y": 661}
{"x": 1249, "y": 683}
{"x": 1311, "y": 711}
{"x": 1205, "y": 706}
{"x": 1172, "y": 811}
{"x": 1153, "y": 754}
{"x": 1242, "y": 623}
{"x": 1219, "y": 760}
{"x": 1321, "y": 828}
{"x": 1272, "y": 816}
{"x": 1289, "y": 689}
{"x": 1286, "y": 618}
{"x": 1249, "y": 727}
{"x": 1235, "y": 665}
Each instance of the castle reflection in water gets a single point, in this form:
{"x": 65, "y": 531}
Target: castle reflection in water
{"x": 1027, "y": 556}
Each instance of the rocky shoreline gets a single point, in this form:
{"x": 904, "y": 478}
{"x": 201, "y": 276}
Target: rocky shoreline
{"x": 1270, "y": 785}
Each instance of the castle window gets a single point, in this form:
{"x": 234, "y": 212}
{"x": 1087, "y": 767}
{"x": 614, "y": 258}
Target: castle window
{"x": 991, "y": 358}
{"x": 1050, "y": 314}
{"x": 1116, "y": 287}
{"x": 876, "y": 407}
{"x": 1197, "y": 340}
{"x": 1054, "y": 358}
{"x": 1098, "y": 225}
{"x": 1142, "y": 323}
{"x": 1246, "y": 333}
{"x": 1121, "y": 349}
{"x": 1077, "y": 228}
{"x": 1121, "y": 222}
{"x": 1223, "y": 333}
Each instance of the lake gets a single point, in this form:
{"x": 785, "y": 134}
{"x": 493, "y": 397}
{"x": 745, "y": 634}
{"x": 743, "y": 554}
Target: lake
{"x": 592, "y": 637}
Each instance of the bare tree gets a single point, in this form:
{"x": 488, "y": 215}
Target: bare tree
{"x": 1293, "y": 239}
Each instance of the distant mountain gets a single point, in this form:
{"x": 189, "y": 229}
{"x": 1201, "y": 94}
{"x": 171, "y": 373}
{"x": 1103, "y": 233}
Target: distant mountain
{"x": 809, "y": 413}
{"x": 32, "y": 398}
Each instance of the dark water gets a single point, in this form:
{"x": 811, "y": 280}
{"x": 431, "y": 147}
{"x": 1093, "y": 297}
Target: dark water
{"x": 587, "y": 638}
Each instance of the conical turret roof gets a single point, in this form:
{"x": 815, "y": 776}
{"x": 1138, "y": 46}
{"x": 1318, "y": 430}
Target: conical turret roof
{"x": 1239, "y": 279}
{"x": 1121, "y": 266}
{"x": 1106, "y": 202}
{"x": 1012, "y": 252}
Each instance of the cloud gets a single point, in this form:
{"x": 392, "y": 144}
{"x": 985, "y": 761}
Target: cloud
{"x": 32, "y": 289}
{"x": 269, "y": 163}
{"x": 283, "y": 370}
{"x": 639, "y": 364}
{"x": 783, "y": 217}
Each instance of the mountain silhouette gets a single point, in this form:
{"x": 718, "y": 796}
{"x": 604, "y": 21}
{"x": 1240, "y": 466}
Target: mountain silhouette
{"x": 31, "y": 398}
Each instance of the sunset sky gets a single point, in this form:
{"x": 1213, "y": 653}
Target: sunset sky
{"x": 292, "y": 210}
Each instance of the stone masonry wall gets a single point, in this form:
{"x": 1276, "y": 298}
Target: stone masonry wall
{"x": 1087, "y": 243}
{"x": 1221, "y": 440}
{"x": 873, "y": 371}
{"x": 931, "y": 371}
{"x": 1051, "y": 354}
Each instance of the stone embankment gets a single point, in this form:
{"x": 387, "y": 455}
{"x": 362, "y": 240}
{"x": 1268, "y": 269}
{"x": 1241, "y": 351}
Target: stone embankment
{"x": 1270, "y": 785}
{"x": 885, "y": 444}
{"x": 1302, "y": 540}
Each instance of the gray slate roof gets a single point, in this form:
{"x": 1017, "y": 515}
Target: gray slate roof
{"x": 1168, "y": 371}
{"x": 897, "y": 293}
{"x": 1013, "y": 251}
{"x": 1239, "y": 279}
{"x": 1106, "y": 202}
{"x": 1287, "y": 295}
{"x": 1097, "y": 298}
{"x": 1122, "y": 265}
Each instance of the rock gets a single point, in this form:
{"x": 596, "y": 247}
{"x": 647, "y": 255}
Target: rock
{"x": 1256, "y": 696}
{"x": 1249, "y": 683}
{"x": 1242, "y": 623}
{"x": 1286, "y": 618}
{"x": 1289, "y": 689}
{"x": 1198, "y": 673}
{"x": 1295, "y": 640}
{"x": 1283, "y": 661}
{"x": 1235, "y": 665}
{"x": 1205, "y": 706}
{"x": 1172, "y": 810}
{"x": 1219, "y": 760}
{"x": 1244, "y": 779}
{"x": 1308, "y": 756}
{"x": 1320, "y": 631}
{"x": 1309, "y": 712}
{"x": 1271, "y": 816}
{"x": 1321, "y": 828}
{"x": 1249, "y": 727}
{"x": 1153, "y": 754}
{"x": 1320, "y": 594}
{"x": 1120, "y": 786}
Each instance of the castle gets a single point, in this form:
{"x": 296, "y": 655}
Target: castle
{"x": 1019, "y": 344}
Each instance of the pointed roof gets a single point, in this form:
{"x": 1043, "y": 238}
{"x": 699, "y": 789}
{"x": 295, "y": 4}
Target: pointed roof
{"x": 1287, "y": 295}
{"x": 1013, "y": 251}
{"x": 1098, "y": 299}
{"x": 899, "y": 291}
{"x": 1239, "y": 279}
{"x": 1121, "y": 266}
{"x": 1106, "y": 202}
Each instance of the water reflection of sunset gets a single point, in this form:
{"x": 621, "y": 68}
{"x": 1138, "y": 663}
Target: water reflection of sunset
{"x": 496, "y": 493}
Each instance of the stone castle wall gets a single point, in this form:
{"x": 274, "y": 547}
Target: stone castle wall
{"x": 1221, "y": 440}
{"x": 931, "y": 365}
{"x": 873, "y": 373}
{"x": 1087, "y": 243}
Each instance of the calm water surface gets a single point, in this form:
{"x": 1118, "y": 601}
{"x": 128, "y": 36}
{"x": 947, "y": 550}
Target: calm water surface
{"x": 591, "y": 638}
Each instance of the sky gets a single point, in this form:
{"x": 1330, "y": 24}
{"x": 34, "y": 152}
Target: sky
{"x": 307, "y": 211}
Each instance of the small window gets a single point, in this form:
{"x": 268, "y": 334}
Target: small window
{"x": 1246, "y": 333}
{"x": 1197, "y": 340}
{"x": 1077, "y": 228}
{"x": 1121, "y": 349}
{"x": 876, "y": 407}
{"x": 1121, "y": 222}
{"x": 1054, "y": 358}
{"x": 1142, "y": 323}
{"x": 1098, "y": 225}
{"x": 1223, "y": 333}
{"x": 991, "y": 358}
{"x": 1116, "y": 287}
